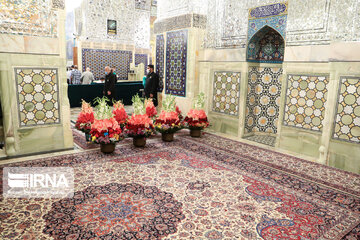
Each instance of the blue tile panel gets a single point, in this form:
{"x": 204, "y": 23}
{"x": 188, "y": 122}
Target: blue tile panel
{"x": 160, "y": 58}
{"x": 176, "y": 61}
{"x": 97, "y": 59}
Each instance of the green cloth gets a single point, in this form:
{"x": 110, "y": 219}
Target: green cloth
{"x": 124, "y": 92}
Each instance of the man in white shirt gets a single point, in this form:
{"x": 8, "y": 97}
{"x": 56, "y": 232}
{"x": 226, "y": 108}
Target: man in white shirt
{"x": 87, "y": 77}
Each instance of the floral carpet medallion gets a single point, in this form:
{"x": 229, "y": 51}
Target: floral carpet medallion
{"x": 115, "y": 211}
{"x": 208, "y": 188}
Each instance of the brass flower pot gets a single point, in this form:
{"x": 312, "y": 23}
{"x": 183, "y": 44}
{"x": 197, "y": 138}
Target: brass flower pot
{"x": 195, "y": 133}
{"x": 167, "y": 137}
{"x": 139, "y": 141}
{"x": 107, "y": 147}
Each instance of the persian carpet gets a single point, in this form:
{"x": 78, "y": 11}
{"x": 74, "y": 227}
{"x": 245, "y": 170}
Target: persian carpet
{"x": 208, "y": 188}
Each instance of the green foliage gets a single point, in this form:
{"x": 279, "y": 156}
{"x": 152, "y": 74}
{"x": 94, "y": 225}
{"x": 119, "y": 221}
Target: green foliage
{"x": 199, "y": 102}
{"x": 102, "y": 109}
{"x": 169, "y": 103}
{"x": 138, "y": 105}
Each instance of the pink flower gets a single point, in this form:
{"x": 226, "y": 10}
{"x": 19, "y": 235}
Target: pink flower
{"x": 105, "y": 124}
{"x": 140, "y": 120}
{"x": 164, "y": 116}
{"x": 196, "y": 114}
{"x": 150, "y": 108}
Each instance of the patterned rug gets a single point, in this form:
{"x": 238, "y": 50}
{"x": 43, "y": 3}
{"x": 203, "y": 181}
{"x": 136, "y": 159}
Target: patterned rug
{"x": 208, "y": 188}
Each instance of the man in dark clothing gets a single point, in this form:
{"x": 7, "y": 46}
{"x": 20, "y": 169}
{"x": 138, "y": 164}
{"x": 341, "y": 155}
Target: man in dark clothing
{"x": 152, "y": 84}
{"x": 109, "y": 86}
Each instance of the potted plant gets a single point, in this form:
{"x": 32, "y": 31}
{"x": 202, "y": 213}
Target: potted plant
{"x": 85, "y": 119}
{"x": 120, "y": 114}
{"x": 105, "y": 130}
{"x": 168, "y": 122}
{"x": 196, "y": 119}
{"x": 140, "y": 126}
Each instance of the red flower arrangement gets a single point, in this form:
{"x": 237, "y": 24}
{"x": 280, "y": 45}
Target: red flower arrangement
{"x": 85, "y": 118}
{"x": 106, "y": 131}
{"x": 178, "y": 111}
{"x": 120, "y": 114}
{"x": 150, "y": 108}
{"x": 168, "y": 122}
{"x": 196, "y": 119}
{"x": 139, "y": 126}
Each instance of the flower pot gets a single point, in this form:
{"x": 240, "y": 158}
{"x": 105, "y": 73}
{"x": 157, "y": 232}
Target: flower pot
{"x": 107, "y": 147}
{"x": 167, "y": 137}
{"x": 196, "y": 133}
{"x": 139, "y": 141}
{"x": 88, "y": 137}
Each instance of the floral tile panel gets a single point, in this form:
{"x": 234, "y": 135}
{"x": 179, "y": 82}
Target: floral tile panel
{"x": 37, "y": 96}
{"x": 306, "y": 101}
{"x": 347, "y": 121}
{"x": 226, "y": 92}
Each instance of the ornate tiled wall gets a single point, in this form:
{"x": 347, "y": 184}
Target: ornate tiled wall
{"x": 35, "y": 18}
{"x": 226, "y": 92}
{"x": 160, "y": 51}
{"x": 60, "y": 4}
{"x": 180, "y": 22}
{"x": 309, "y": 22}
{"x": 263, "y": 99}
{"x": 141, "y": 58}
{"x": 274, "y": 16}
{"x": 97, "y": 59}
{"x": 132, "y": 17}
{"x": 176, "y": 61}
{"x": 142, "y": 29}
{"x": 347, "y": 121}
{"x": 306, "y": 101}
{"x": 172, "y": 8}
{"x": 266, "y": 46}
{"x": 142, "y": 4}
{"x": 38, "y": 96}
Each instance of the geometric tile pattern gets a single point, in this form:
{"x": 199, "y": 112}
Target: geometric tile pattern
{"x": 38, "y": 96}
{"x": 59, "y": 4}
{"x": 226, "y": 92}
{"x": 347, "y": 121}
{"x": 306, "y": 101}
{"x": 267, "y": 45}
{"x": 141, "y": 58}
{"x": 278, "y": 23}
{"x": 160, "y": 60}
{"x": 176, "y": 59}
{"x": 263, "y": 139}
{"x": 98, "y": 59}
{"x": 263, "y": 99}
{"x": 23, "y": 17}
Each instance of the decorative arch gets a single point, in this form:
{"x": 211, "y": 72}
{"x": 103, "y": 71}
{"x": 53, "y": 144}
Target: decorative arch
{"x": 267, "y": 45}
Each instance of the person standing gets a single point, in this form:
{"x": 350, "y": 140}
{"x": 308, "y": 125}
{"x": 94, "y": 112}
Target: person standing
{"x": 152, "y": 84}
{"x": 75, "y": 76}
{"x": 109, "y": 86}
{"x": 87, "y": 77}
